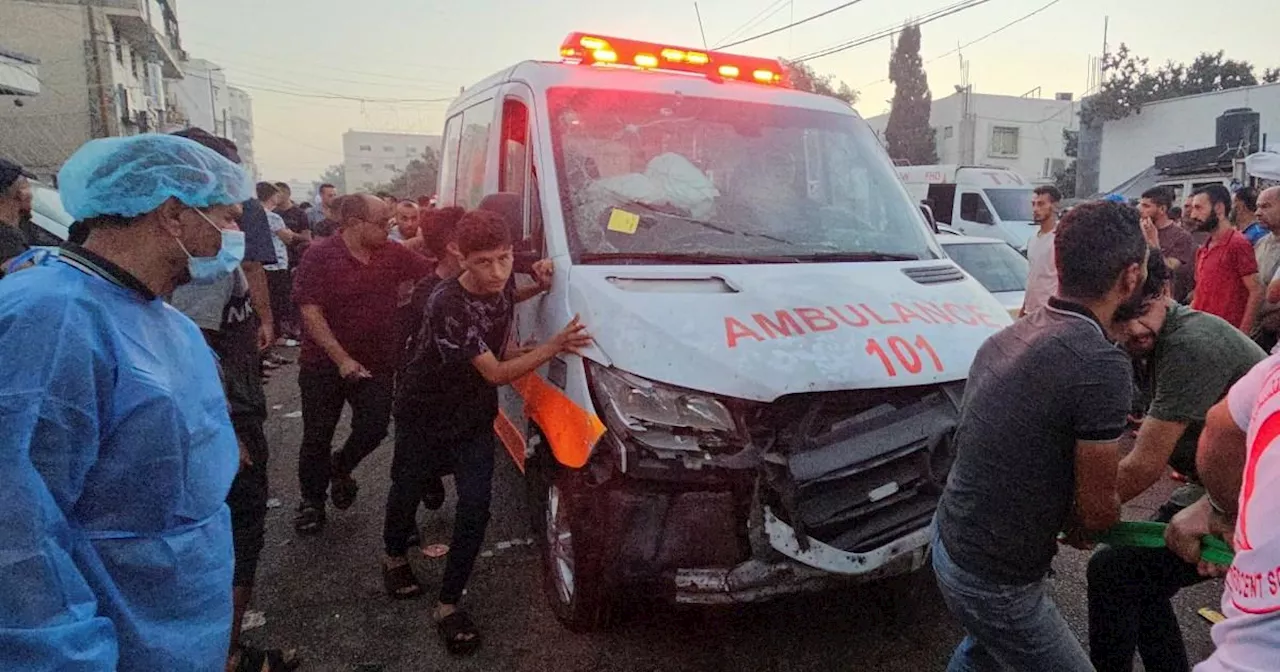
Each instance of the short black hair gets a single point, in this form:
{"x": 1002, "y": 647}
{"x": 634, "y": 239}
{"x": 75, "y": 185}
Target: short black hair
{"x": 266, "y": 190}
{"x": 227, "y": 148}
{"x": 1095, "y": 243}
{"x": 1249, "y": 197}
{"x": 1048, "y": 190}
{"x": 1218, "y": 195}
{"x": 1162, "y": 196}
{"x": 439, "y": 228}
{"x": 1158, "y": 277}
{"x": 324, "y": 186}
{"x": 480, "y": 231}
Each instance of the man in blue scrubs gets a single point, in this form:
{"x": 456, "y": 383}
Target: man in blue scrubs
{"x": 117, "y": 451}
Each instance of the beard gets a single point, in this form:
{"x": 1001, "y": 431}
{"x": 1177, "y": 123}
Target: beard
{"x": 1209, "y": 224}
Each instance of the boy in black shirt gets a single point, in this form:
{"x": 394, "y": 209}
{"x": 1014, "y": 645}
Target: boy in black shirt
{"x": 446, "y": 403}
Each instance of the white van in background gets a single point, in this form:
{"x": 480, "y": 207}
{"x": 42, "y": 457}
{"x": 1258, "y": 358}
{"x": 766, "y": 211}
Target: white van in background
{"x": 983, "y": 201}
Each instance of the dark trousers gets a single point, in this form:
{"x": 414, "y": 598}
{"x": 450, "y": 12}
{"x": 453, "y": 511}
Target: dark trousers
{"x": 421, "y": 455}
{"x": 324, "y": 393}
{"x": 279, "y": 288}
{"x": 247, "y": 500}
{"x": 1129, "y": 609}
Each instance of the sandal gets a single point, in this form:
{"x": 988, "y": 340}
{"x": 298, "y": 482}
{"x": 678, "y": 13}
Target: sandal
{"x": 343, "y": 491}
{"x": 266, "y": 660}
{"x": 310, "y": 519}
{"x": 399, "y": 582}
{"x": 454, "y": 630}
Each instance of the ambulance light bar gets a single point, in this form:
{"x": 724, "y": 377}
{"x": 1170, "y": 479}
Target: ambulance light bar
{"x": 591, "y": 49}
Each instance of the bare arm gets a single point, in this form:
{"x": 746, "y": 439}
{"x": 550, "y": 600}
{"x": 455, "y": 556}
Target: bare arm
{"x": 570, "y": 340}
{"x": 260, "y": 297}
{"x": 1273, "y": 291}
{"x": 289, "y": 237}
{"x": 318, "y": 329}
{"x": 1146, "y": 463}
{"x": 1221, "y": 455}
{"x": 1252, "y": 284}
{"x": 1097, "y": 505}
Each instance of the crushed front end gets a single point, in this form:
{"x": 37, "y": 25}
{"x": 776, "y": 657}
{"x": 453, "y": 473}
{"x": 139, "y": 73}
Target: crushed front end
{"x": 720, "y": 501}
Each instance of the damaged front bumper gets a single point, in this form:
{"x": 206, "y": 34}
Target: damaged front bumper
{"x": 795, "y": 570}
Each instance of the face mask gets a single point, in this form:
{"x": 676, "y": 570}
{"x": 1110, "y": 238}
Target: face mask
{"x": 208, "y": 270}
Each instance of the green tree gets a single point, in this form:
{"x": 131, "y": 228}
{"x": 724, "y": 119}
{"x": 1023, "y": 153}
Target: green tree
{"x": 1130, "y": 82}
{"x": 1271, "y": 75}
{"x": 1065, "y": 179}
{"x": 337, "y": 176}
{"x": 419, "y": 178}
{"x": 803, "y": 78}
{"x": 908, "y": 135}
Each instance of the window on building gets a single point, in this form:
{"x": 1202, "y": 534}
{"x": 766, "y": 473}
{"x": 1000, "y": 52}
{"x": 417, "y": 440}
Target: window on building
{"x": 476, "y": 123}
{"x": 1004, "y": 141}
{"x": 133, "y": 64}
{"x": 119, "y": 43}
{"x": 389, "y": 149}
{"x": 1052, "y": 167}
{"x": 412, "y": 151}
{"x": 366, "y": 148}
{"x": 948, "y": 132}
{"x": 391, "y": 166}
{"x": 367, "y": 167}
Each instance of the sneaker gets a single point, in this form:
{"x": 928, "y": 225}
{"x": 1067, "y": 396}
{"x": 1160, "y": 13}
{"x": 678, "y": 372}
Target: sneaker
{"x": 291, "y": 343}
{"x": 310, "y": 518}
{"x": 343, "y": 491}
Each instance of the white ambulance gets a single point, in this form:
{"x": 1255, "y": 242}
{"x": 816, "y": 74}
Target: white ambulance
{"x": 982, "y": 201}
{"x": 780, "y": 342}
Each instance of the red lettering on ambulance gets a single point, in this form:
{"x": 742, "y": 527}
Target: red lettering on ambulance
{"x": 957, "y": 312}
{"x": 906, "y": 314}
{"x": 982, "y": 316}
{"x": 785, "y": 325}
{"x": 931, "y": 310}
{"x": 816, "y": 320}
{"x": 734, "y": 330}
{"x": 859, "y": 321}
{"x": 876, "y": 317}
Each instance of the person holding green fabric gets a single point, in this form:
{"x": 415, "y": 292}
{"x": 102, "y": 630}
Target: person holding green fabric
{"x": 1191, "y": 360}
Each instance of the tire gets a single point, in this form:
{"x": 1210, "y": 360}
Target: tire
{"x": 569, "y": 518}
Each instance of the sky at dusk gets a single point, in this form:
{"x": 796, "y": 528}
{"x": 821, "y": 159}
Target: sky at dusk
{"x": 404, "y": 58}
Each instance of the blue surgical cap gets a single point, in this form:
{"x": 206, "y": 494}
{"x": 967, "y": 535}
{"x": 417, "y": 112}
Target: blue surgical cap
{"x": 134, "y": 175}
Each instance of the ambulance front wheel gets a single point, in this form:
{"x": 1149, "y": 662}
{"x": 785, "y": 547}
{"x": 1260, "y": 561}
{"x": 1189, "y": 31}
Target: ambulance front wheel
{"x": 570, "y": 526}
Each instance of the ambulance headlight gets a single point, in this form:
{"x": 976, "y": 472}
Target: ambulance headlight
{"x": 661, "y": 416}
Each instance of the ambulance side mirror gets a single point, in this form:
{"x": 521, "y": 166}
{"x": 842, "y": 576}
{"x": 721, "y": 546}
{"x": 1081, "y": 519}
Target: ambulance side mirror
{"x": 928, "y": 216}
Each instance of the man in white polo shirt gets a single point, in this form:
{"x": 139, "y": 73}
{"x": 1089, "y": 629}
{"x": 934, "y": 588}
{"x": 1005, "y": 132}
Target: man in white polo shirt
{"x": 1239, "y": 462}
{"x": 1042, "y": 269}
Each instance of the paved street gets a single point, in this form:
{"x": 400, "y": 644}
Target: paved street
{"x": 324, "y": 596}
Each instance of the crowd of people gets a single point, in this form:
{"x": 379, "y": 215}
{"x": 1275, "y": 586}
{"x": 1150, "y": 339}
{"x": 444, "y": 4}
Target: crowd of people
{"x": 134, "y": 456}
{"x": 1148, "y": 317}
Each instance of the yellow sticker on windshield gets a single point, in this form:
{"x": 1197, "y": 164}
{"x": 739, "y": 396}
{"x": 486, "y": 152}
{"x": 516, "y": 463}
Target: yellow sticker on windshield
{"x": 624, "y": 222}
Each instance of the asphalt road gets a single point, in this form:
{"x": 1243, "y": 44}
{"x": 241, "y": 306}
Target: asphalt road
{"x": 323, "y": 595}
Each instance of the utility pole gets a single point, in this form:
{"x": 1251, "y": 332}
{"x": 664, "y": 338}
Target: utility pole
{"x": 101, "y": 126}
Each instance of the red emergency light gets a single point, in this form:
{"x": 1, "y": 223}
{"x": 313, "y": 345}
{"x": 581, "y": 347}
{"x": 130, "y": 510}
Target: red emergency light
{"x": 592, "y": 49}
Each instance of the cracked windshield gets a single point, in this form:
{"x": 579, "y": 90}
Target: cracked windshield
{"x": 670, "y": 174}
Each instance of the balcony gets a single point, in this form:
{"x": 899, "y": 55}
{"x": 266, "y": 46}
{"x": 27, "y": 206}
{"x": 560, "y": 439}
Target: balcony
{"x": 144, "y": 25}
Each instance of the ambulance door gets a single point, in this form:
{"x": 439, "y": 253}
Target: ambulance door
{"x": 518, "y": 176}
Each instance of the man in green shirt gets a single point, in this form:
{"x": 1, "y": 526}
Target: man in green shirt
{"x": 1191, "y": 360}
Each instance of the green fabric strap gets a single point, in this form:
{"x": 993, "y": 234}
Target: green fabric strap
{"x": 1151, "y": 535}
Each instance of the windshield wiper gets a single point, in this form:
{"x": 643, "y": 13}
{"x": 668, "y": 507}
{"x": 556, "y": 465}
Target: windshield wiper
{"x": 699, "y": 222}
{"x": 683, "y": 258}
{"x": 858, "y": 256}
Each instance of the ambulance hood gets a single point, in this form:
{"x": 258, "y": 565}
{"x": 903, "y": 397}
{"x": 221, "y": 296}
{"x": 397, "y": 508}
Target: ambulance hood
{"x": 762, "y": 331}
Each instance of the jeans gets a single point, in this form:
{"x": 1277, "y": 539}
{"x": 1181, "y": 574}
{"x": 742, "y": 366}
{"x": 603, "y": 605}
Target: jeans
{"x": 1009, "y": 627}
{"x": 421, "y": 455}
{"x": 324, "y": 393}
{"x": 1129, "y": 609}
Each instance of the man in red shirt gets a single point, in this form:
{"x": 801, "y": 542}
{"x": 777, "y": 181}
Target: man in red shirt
{"x": 345, "y": 290}
{"x": 1226, "y": 269}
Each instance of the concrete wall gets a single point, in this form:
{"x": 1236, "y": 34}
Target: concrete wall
{"x": 1040, "y": 123}
{"x": 1130, "y": 145}
{"x": 47, "y": 128}
{"x": 204, "y": 96}
{"x": 241, "y": 130}
{"x": 373, "y": 159}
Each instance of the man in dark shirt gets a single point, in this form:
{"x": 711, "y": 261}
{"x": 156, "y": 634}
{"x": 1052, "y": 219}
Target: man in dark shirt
{"x": 345, "y": 290}
{"x": 1191, "y": 359}
{"x": 1176, "y": 245}
{"x": 15, "y": 205}
{"x": 1227, "y": 283}
{"x": 1036, "y": 453}
{"x": 446, "y": 405}
{"x": 325, "y": 219}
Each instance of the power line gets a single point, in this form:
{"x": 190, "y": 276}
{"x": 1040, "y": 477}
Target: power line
{"x": 881, "y": 34}
{"x": 791, "y": 25}
{"x": 973, "y": 42}
{"x": 754, "y": 21}
{"x": 358, "y": 99}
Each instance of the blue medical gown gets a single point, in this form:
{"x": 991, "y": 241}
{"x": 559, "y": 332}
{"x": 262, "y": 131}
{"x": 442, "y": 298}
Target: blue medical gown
{"x": 116, "y": 455}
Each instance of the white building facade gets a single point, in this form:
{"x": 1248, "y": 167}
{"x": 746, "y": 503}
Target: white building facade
{"x": 241, "y": 129}
{"x": 1130, "y": 145}
{"x": 1018, "y": 133}
{"x": 205, "y": 96}
{"x": 371, "y": 158}
{"x": 105, "y": 69}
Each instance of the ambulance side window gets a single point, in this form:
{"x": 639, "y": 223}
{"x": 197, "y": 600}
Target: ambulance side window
{"x": 449, "y": 161}
{"x": 516, "y": 174}
{"x": 472, "y": 149}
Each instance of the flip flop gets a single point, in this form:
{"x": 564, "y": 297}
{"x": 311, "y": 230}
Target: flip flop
{"x": 453, "y": 628}
{"x": 400, "y": 583}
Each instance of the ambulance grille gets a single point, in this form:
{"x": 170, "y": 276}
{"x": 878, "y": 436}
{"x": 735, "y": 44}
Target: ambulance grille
{"x": 934, "y": 275}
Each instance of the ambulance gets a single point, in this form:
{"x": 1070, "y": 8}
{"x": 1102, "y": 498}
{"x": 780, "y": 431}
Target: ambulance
{"x": 982, "y": 201}
{"x": 780, "y": 344}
